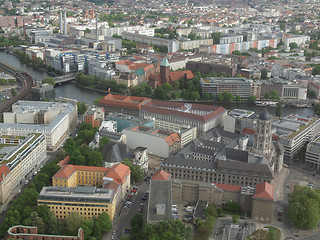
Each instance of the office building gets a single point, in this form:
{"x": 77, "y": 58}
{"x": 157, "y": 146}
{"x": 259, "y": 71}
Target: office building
{"x": 19, "y": 157}
{"x": 86, "y": 190}
{"x": 158, "y": 142}
{"x": 204, "y": 117}
{"x": 220, "y": 157}
{"x": 43, "y": 92}
{"x": 122, "y": 104}
{"x": 236, "y": 86}
{"x": 238, "y": 119}
{"x": 55, "y": 120}
{"x": 313, "y": 154}
{"x": 94, "y": 116}
{"x": 294, "y": 132}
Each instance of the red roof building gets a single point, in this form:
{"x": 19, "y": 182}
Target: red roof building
{"x": 161, "y": 175}
{"x": 4, "y": 171}
{"x": 122, "y": 103}
{"x": 264, "y": 191}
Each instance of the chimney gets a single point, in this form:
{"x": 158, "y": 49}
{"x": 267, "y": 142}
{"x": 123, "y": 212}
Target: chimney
{"x": 65, "y": 22}
{"x": 61, "y": 22}
{"x": 97, "y": 33}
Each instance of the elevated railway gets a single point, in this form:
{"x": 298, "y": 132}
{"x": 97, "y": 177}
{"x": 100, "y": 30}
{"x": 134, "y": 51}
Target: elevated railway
{"x": 26, "y": 85}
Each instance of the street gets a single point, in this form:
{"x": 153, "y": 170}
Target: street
{"x": 123, "y": 216}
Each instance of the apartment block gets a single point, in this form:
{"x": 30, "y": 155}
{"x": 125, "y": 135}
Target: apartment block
{"x": 94, "y": 116}
{"x": 161, "y": 143}
{"x": 19, "y": 156}
{"x": 236, "y": 86}
{"x": 53, "y": 119}
{"x": 294, "y": 132}
{"x": 313, "y": 154}
{"x": 204, "y": 117}
{"x": 87, "y": 190}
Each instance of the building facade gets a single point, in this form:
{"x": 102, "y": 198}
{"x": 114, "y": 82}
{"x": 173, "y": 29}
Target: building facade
{"x": 19, "y": 158}
{"x": 236, "y": 86}
{"x": 54, "y": 120}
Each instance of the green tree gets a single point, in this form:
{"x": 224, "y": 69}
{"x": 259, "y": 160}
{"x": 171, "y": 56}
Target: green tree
{"x": 216, "y": 37}
{"x": 293, "y": 45}
{"x": 232, "y": 207}
{"x": 279, "y": 109}
{"x": 316, "y": 69}
{"x": 13, "y": 92}
{"x": 73, "y": 223}
{"x": 227, "y": 96}
{"x": 238, "y": 98}
{"x": 176, "y": 85}
{"x": 235, "y": 219}
{"x": 220, "y": 97}
{"x": 87, "y": 226}
{"x": 48, "y": 80}
{"x": 311, "y": 94}
{"x": 304, "y": 209}
{"x": 103, "y": 142}
{"x": 82, "y": 108}
{"x": 104, "y": 222}
{"x": 252, "y": 98}
{"x": 264, "y": 74}
{"x": 136, "y": 171}
{"x": 192, "y": 36}
{"x": 161, "y": 93}
{"x": 267, "y": 95}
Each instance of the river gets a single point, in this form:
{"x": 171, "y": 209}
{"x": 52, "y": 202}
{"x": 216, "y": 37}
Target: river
{"x": 71, "y": 90}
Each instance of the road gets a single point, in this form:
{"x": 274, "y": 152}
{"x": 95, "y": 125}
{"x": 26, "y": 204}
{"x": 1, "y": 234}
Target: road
{"x": 297, "y": 173}
{"x": 123, "y": 216}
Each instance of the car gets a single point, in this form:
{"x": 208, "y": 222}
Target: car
{"x": 142, "y": 204}
{"x": 127, "y": 230}
{"x": 5, "y": 208}
{"x": 174, "y": 206}
{"x": 136, "y": 193}
{"x": 19, "y": 191}
{"x": 131, "y": 196}
{"x": 128, "y": 202}
{"x": 143, "y": 198}
{"x": 279, "y": 212}
{"x": 35, "y": 173}
{"x": 280, "y": 219}
{"x": 26, "y": 182}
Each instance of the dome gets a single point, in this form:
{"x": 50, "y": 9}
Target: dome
{"x": 264, "y": 115}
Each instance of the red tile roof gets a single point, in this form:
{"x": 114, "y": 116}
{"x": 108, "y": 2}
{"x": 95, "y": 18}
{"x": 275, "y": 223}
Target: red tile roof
{"x": 161, "y": 175}
{"x": 122, "y": 101}
{"x": 227, "y": 187}
{"x": 112, "y": 185}
{"x": 264, "y": 191}
{"x": 67, "y": 170}
{"x": 4, "y": 171}
{"x": 163, "y": 107}
{"x": 64, "y": 161}
{"x": 118, "y": 172}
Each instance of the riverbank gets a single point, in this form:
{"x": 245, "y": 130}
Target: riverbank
{"x": 89, "y": 88}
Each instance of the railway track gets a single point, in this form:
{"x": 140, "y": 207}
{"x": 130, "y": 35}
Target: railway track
{"x": 26, "y": 85}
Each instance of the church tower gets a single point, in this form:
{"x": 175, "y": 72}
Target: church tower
{"x": 164, "y": 71}
{"x": 262, "y": 142}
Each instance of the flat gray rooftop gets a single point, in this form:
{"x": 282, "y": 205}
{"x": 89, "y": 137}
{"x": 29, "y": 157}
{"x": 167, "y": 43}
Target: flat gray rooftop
{"x": 160, "y": 193}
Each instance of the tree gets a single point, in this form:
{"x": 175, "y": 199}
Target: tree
{"x": 293, "y": 45}
{"x": 252, "y": 98}
{"x": 311, "y": 94}
{"x": 87, "y": 226}
{"x": 235, "y": 219}
{"x": 227, "y": 96}
{"x": 267, "y": 95}
{"x": 161, "y": 93}
{"x": 103, "y": 142}
{"x": 176, "y": 85}
{"x": 192, "y": 36}
{"x": 48, "y": 80}
{"x": 136, "y": 171}
{"x": 232, "y": 207}
{"x": 73, "y": 223}
{"x": 279, "y": 109}
{"x": 220, "y": 97}
{"x": 304, "y": 207}
{"x": 82, "y": 108}
{"x": 238, "y": 98}
{"x": 264, "y": 74}
{"x": 13, "y": 92}
{"x": 104, "y": 222}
